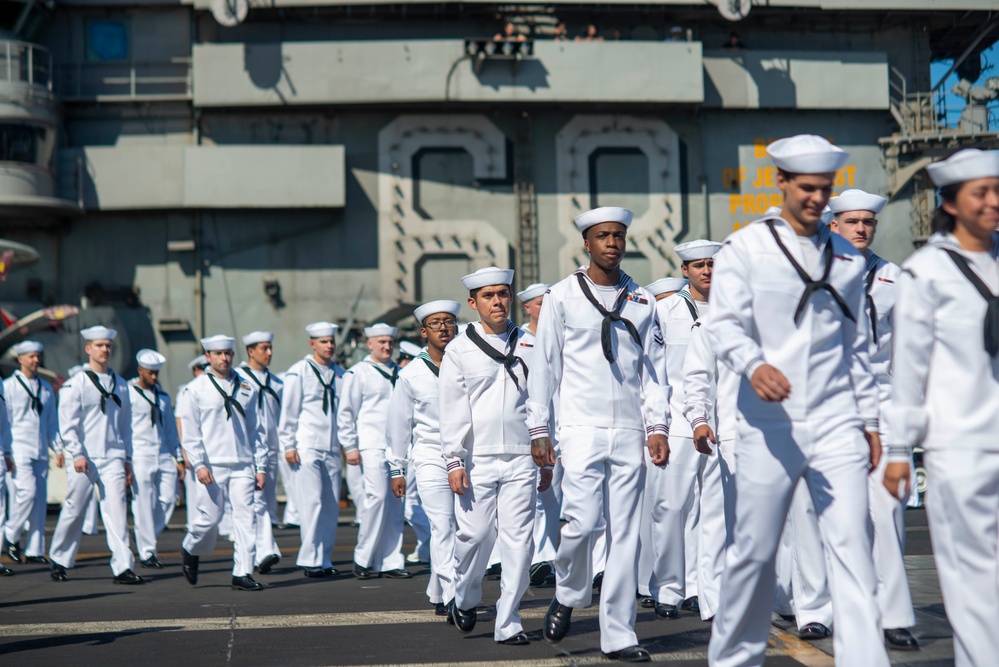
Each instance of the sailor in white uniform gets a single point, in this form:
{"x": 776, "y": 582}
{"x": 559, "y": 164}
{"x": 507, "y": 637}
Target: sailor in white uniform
{"x": 414, "y": 444}
{"x": 93, "y": 508}
{"x": 483, "y": 391}
{"x": 675, "y": 490}
{"x": 7, "y": 471}
{"x": 226, "y": 446}
{"x": 197, "y": 366}
{"x": 34, "y": 423}
{"x": 856, "y": 220}
{"x": 308, "y": 435}
{"x": 787, "y": 313}
{"x": 259, "y": 351}
{"x": 361, "y": 419}
{"x": 945, "y": 392}
{"x": 413, "y": 512}
{"x": 156, "y": 459}
{"x": 95, "y": 422}
{"x": 600, "y": 346}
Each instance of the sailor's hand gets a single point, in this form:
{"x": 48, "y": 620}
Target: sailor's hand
{"x": 770, "y": 384}
{"x": 204, "y": 475}
{"x": 546, "y": 480}
{"x": 80, "y": 464}
{"x": 399, "y": 487}
{"x": 354, "y": 458}
{"x": 458, "y": 481}
{"x": 10, "y": 464}
{"x": 702, "y": 436}
{"x": 60, "y": 460}
{"x": 261, "y": 481}
{"x": 874, "y": 442}
{"x": 543, "y": 452}
{"x": 659, "y": 449}
{"x": 897, "y": 476}
{"x": 180, "y": 468}
{"x": 128, "y": 474}
{"x": 292, "y": 457}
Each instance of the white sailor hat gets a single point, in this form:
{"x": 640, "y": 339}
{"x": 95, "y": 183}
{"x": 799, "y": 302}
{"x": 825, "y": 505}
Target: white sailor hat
{"x": 487, "y": 276}
{"x": 964, "y": 165}
{"x": 321, "y": 329}
{"x": 75, "y": 370}
{"x": 827, "y": 215}
{"x": 380, "y": 329}
{"x": 98, "y": 333}
{"x": 806, "y": 154}
{"x": 407, "y": 349}
{"x": 532, "y": 292}
{"x": 27, "y": 347}
{"x": 218, "y": 342}
{"x": 434, "y": 307}
{"x": 150, "y": 359}
{"x": 197, "y": 361}
{"x": 857, "y": 200}
{"x": 694, "y": 250}
{"x": 596, "y": 216}
{"x": 255, "y": 337}
{"x": 664, "y": 285}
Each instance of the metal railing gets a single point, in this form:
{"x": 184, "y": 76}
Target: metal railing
{"x": 163, "y": 80}
{"x": 23, "y": 62}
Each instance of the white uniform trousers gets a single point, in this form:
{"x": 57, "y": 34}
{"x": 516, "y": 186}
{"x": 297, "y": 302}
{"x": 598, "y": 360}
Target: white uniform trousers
{"x": 355, "y": 487}
{"x": 888, "y": 522}
{"x": 92, "y": 511}
{"x": 547, "y": 511}
{"x": 28, "y": 488}
{"x": 379, "y": 539}
{"x": 509, "y": 481}
{"x": 154, "y": 493}
{"x": 963, "y": 509}
{"x": 318, "y": 480}
{"x": 108, "y": 475}
{"x": 290, "y": 517}
{"x": 832, "y": 456}
{"x": 645, "y": 550}
{"x": 783, "y": 563}
{"x": 265, "y": 544}
{"x": 602, "y": 482}
{"x": 674, "y": 515}
{"x": 416, "y": 517}
{"x": 714, "y": 527}
{"x": 810, "y": 594}
{"x": 236, "y": 485}
{"x": 438, "y": 502}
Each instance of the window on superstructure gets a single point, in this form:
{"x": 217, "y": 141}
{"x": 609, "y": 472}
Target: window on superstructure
{"x": 107, "y": 40}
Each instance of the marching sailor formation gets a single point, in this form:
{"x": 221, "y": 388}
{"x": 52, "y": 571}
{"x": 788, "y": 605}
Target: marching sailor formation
{"x": 731, "y": 443}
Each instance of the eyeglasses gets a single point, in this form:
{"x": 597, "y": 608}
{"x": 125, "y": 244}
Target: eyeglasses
{"x": 440, "y": 326}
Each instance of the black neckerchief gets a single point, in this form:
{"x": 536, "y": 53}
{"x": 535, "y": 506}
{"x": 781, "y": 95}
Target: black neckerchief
{"x": 690, "y": 305}
{"x": 610, "y": 316}
{"x": 391, "y": 378}
{"x": 229, "y": 401}
{"x": 432, "y": 366}
{"x": 812, "y": 286}
{"x": 36, "y": 399}
{"x": 263, "y": 387}
{"x": 871, "y": 308}
{"x": 105, "y": 393}
{"x": 992, "y": 301}
{"x": 329, "y": 390}
{"x": 509, "y": 360}
{"x": 154, "y": 405}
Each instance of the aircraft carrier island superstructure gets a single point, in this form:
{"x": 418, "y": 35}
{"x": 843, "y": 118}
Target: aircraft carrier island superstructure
{"x": 187, "y": 168}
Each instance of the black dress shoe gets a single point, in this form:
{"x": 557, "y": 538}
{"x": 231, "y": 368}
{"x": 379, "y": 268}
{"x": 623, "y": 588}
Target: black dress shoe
{"x": 313, "y": 572}
{"x": 246, "y": 583}
{"x": 540, "y": 572}
{"x": 267, "y": 563}
{"x": 190, "y": 567}
{"x": 519, "y": 639}
{"x": 598, "y": 582}
{"x": 36, "y": 560}
{"x": 900, "y": 639}
{"x": 152, "y": 562}
{"x": 449, "y": 609}
{"x": 13, "y": 550}
{"x": 6, "y": 571}
{"x": 495, "y": 570}
{"x": 691, "y": 604}
{"x": 630, "y": 654}
{"x": 667, "y": 611}
{"x": 397, "y": 574}
{"x": 646, "y": 602}
{"x": 365, "y": 572}
{"x": 558, "y": 618}
{"x": 58, "y": 573}
{"x": 464, "y": 619}
{"x": 440, "y": 609}
{"x": 814, "y": 631}
{"x": 129, "y": 578}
